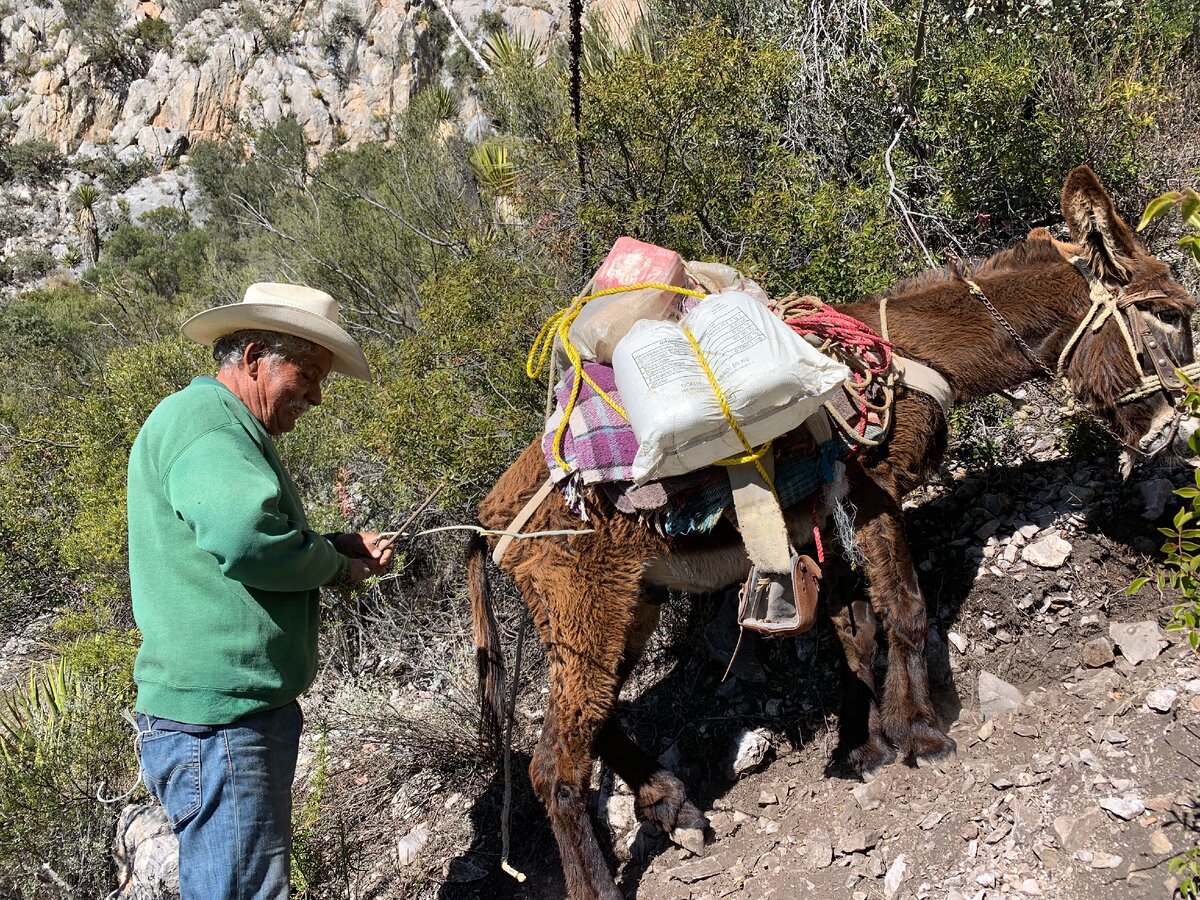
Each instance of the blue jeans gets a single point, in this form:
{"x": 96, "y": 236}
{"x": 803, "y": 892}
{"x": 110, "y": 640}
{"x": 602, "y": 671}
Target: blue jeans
{"x": 228, "y": 795}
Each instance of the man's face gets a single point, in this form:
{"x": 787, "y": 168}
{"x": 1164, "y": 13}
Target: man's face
{"x": 289, "y": 388}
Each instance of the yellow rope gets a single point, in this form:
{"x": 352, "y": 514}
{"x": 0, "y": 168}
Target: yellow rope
{"x": 558, "y": 326}
{"x": 751, "y": 455}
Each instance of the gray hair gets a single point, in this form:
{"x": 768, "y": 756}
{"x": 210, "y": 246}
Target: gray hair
{"x": 228, "y": 349}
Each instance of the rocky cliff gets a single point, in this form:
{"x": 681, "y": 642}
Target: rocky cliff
{"x": 341, "y": 69}
{"x": 136, "y": 84}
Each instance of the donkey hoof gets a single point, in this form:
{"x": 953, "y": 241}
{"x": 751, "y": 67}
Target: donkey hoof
{"x": 690, "y": 839}
{"x": 930, "y": 746}
{"x": 870, "y": 759}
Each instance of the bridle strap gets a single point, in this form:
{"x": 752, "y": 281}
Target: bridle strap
{"x": 1104, "y": 304}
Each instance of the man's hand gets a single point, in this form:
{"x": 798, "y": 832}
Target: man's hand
{"x": 368, "y": 554}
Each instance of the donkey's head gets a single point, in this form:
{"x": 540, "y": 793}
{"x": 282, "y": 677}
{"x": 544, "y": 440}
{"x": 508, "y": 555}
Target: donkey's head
{"x": 1122, "y": 364}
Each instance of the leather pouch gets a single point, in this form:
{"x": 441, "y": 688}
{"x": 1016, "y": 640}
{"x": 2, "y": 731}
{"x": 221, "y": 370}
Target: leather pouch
{"x": 779, "y": 606}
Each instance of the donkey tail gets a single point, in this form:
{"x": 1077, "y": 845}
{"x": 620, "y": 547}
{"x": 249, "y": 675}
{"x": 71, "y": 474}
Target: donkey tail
{"x": 489, "y": 657}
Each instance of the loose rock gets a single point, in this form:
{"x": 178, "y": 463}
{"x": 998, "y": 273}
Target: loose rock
{"x": 1161, "y": 700}
{"x": 1098, "y": 652}
{"x": 894, "y": 877}
{"x": 749, "y": 750}
{"x": 1048, "y": 552}
{"x": 996, "y": 696}
{"x": 1126, "y": 808}
{"x": 1139, "y": 641}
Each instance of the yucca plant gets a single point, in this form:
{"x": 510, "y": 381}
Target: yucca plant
{"x": 65, "y": 753}
{"x": 435, "y": 104}
{"x": 504, "y": 49}
{"x": 620, "y": 33}
{"x": 85, "y": 197}
{"x": 29, "y": 718}
{"x": 494, "y": 167}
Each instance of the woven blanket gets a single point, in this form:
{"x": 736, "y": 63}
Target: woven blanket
{"x": 599, "y": 447}
{"x": 598, "y": 443}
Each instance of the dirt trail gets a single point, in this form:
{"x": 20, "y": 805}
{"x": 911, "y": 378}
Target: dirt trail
{"x": 1084, "y": 790}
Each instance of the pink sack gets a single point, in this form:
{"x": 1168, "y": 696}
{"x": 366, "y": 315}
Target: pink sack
{"x": 605, "y": 320}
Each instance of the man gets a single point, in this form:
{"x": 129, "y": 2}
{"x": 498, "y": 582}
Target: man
{"x": 225, "y": 573}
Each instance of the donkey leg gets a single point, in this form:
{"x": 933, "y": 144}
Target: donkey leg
{"x": 585, "y": 622}
{"x": 860, "y": 721}
{"x": 908, "y": 719}
{"x": 660, "y": 796}
{"x": 561, "y": 771}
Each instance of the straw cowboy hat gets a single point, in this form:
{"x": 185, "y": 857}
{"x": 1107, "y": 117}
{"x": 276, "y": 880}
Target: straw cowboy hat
{"x": 288, "y": 308}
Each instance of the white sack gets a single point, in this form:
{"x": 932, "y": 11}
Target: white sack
{"x": 772, "y": 378}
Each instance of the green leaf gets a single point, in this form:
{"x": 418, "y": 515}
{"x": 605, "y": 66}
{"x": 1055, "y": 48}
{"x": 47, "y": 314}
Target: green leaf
{"x": 1158, "y": 206}
{"x": 1192, "y": 244}
{"x": 1137, "y": 585}
{"x": 1189, "y": 209}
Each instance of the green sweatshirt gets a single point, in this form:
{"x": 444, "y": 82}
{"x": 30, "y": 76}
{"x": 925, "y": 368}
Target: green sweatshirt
{"x": 223, "y": 568}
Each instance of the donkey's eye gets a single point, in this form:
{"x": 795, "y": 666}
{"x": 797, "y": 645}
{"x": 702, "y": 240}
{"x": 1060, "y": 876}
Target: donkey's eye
{"x": 1170, "y": 317}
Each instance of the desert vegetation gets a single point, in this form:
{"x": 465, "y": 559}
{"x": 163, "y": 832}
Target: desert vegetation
{"x": 828, "y": 148}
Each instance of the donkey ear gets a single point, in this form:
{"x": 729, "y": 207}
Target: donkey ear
{"x": 1108, "y": 244}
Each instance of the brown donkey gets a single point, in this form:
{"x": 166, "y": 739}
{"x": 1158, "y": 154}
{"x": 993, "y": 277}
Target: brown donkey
{"x": 595, "y": 597}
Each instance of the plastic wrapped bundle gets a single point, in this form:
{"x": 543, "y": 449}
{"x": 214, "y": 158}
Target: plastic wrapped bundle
{"x": 771, "y": 378}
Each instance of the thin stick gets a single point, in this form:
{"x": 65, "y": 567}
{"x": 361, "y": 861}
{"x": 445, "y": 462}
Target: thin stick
{"x": 382, "y": 542}
{"x": 392, "y": 535}
{"x": 898, "y": 199}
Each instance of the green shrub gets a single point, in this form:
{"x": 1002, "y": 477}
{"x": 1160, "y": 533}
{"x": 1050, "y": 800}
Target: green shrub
{"x": 62, "y": 740}
{"x": 29, "y": 264}
{"x": 982, "y": 433}
{"x": 324, "y": 857}
{"x": 155, "y": 34}
{"x": 34, "y": 160}
{"x": 1187, "y": 867}
{"x": 161, "y": 256}
{"x": 117, "y": 175}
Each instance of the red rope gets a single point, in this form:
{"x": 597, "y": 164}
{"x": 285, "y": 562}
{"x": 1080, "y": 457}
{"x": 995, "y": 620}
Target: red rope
{"x": 828, "y": 324}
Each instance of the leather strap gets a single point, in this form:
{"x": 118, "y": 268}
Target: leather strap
{"x": 521, "y": 518}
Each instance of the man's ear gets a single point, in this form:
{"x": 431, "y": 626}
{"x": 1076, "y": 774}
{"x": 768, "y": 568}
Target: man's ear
{"x": 252, "y": 358}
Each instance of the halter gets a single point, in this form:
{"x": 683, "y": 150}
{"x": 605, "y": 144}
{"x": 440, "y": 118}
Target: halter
{"x": 1119, "y": 305}
{"x": 1106, "y": 304}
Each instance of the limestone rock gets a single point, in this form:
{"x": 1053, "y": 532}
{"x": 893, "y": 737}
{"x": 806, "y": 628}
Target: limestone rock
{"x": 996, "y": 696}
{"x": 749, "y": 750}
{"x": 147, "y": 854}
{"x": 1162, "y": 700}
{"x": 894, "y": 877}
{"x": 1126, "y": 808}
{"x": 1048, "y": 552}
{"x": 1139, "y": 641}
